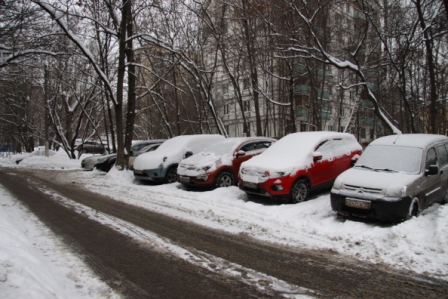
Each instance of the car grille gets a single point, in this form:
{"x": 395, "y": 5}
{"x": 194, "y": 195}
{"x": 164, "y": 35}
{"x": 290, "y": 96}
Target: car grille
{"x": 359, "y": 189}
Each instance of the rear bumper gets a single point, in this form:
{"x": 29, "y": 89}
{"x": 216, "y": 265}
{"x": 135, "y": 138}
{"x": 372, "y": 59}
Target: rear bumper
{"x": 389, "y": 211}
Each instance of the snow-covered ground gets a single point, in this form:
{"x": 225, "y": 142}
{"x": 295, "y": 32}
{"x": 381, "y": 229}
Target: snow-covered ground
{"x": 34, "y": 264}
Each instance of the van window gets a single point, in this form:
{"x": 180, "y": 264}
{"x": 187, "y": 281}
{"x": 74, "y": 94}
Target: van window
{"x": 443, "y": 155}
{"x": 431, "y": 158}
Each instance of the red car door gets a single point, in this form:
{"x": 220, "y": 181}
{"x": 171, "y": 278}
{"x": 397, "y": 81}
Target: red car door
{"x": 321, "y": 170}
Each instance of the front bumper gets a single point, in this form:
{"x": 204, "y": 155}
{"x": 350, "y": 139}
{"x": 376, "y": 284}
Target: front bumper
{"x": 196, "y": 181}
{"x": 154, "y": 175}
{"x": 260, "y": 189}
{"x": 389, "y": 211}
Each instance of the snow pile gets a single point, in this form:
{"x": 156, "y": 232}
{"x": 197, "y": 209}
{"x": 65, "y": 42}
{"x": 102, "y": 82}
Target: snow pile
{"x": 34, "y": 264}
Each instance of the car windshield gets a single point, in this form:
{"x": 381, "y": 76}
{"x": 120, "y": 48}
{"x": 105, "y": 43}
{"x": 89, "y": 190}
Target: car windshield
{"x": 391, "y": 158}
{"x": 222, "y": 148}
{"x": 147, "y": 148}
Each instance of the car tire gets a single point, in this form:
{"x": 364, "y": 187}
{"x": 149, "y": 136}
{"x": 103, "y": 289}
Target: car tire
{"x": 299, "y": 191}
{"x": 224, "y": 179}
{"x": 171, "y": 175}
{"x": 444, "y": 200}
{"x": 414, "y": 209}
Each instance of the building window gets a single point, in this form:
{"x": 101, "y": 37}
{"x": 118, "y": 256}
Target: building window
{"x": 225, "y": 89}
{"x": 226, "y": 109}
{"x": 363, "y": 133}
{"x": 341, "y": 129}
{"x": 330, "y": 128}
{"x": 227, "y": 128}
{"x": 246, "y": 83}
{"x": 246, "y": 106}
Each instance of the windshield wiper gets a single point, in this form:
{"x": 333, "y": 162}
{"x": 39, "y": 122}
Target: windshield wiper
{"x": 364, "y": 166}
{"x": 386, "y": 169}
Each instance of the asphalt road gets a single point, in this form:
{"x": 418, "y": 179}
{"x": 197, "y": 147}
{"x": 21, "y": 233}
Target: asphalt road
{"x": 137, "y": 271}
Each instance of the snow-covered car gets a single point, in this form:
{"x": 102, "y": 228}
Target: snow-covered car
{"x": 39, "y": 151}
{"x": 148, "y": 148}
{"x": 161, "y": 165}
{"x": 218, "y": 165}
{"x": 92, "y": 147}
{"x": 105, "y": 162}
{"x": 395, "y": 178}
{"x": 299, "y": 163}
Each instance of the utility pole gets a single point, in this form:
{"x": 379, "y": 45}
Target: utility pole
{"x": 47, "y": 152}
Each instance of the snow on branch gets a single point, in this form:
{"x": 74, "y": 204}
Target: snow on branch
{"x": 57, "y": 16}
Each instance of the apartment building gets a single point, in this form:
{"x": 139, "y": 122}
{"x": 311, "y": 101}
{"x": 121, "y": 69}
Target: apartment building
{"x": 263, "y": 87}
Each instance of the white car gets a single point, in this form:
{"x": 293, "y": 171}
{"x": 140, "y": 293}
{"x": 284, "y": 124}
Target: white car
{"x": 161, "y": 165}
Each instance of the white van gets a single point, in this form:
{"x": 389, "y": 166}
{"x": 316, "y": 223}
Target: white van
{"x": 161, "y": 165}
{"x": 395, "y": 178}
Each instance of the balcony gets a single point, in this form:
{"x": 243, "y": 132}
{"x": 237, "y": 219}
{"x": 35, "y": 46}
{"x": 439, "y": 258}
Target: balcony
{"x": 366, "y": 122}
{"x": 300, "y": 68}
{"x": 326, "y": 115}
{"x": 323, "y": 73}
{"x": 302, "y": 89}
{"x": 301, "y": 112}
{"x": 324, "y": 94}
{"x": 359, "y": 15}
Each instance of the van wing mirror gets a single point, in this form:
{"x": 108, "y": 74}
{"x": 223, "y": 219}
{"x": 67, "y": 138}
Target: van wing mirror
{"x": 432, "y": 170}
{"x": 317, "y": 156}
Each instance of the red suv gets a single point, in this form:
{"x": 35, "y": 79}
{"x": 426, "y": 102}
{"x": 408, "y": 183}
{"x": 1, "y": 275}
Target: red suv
{"x": 298, "y": 163}
{"x": 218, "y": 165}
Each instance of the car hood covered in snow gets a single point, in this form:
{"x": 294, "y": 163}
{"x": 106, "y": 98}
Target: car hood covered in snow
{"x": 375, "y": 179}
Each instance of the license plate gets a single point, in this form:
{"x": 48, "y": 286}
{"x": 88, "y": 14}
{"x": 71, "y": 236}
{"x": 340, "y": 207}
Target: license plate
{"x": 250, "y": 185}
{"x": 138, "y": 171}
{"x": 356, "y": 203}
{"x": 184, "y": 179}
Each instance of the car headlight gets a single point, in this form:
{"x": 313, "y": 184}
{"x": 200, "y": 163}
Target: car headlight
{"x": 102, "y": 160}
{"x": 396, "y": 191}
{"x": 206, "y": 167}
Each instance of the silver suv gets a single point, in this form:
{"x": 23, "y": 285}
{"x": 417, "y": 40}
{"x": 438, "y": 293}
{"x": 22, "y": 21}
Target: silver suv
{"x": 395, "y": 178}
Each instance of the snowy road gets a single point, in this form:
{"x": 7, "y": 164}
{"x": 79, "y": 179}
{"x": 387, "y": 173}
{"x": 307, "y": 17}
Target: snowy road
{"x": 233, "y": 259}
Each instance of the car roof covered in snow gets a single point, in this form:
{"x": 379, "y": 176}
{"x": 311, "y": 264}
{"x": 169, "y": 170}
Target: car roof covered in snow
{"x": 295, "y": 150}
{"x": 414, "y": 140}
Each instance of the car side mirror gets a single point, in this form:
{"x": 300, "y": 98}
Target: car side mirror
{"x": 317, "y": 156}
{"x": 240, "y": 153}
{"x": 188, "y": 154}
{"x": 432, "y": 170}
{"x": 353, "y": 162}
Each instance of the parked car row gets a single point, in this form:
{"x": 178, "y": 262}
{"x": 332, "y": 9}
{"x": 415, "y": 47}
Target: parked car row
{"x": 395, "y": 178}
{"x": 106, "y": 161}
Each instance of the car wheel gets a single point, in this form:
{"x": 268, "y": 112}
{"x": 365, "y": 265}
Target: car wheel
{"x": 224, "y": 179}
{"x": 299, "y": 191}
{"x": 171, "y": 175}
{"x": 444, "y": 200}
{"x": 413, "y": 209}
